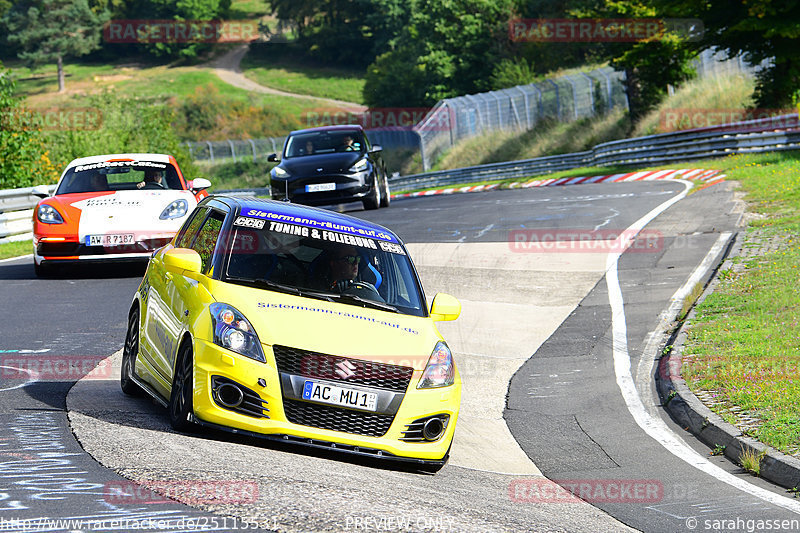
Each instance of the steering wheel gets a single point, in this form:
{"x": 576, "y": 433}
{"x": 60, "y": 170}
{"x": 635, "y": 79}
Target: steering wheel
{"x": 365, "y": 290}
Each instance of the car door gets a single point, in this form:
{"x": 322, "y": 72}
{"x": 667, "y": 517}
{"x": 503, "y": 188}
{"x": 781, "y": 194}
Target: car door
{"x": 183, "y": 289}
{"x": 158, "y": 340}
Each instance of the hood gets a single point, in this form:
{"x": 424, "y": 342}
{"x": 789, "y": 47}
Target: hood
{"x": 334, "y": 328}
{"x": 334, "y": 163}
{"x": 122, "y": 211}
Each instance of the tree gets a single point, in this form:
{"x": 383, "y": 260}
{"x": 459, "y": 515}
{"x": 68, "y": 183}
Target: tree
{"x": 55, "y": 29}
{"x": 178, "y": 10}
{"x": 649, "y": 65}
{"x": 759, "y": 29}
{"x": 449, "y": 48}
{"x": 351, "y": 32}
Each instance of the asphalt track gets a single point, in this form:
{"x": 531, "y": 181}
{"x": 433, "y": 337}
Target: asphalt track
{"x": 539, "y": 317}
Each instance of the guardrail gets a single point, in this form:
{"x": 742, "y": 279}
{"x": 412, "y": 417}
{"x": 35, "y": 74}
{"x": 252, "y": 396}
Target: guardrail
{"x": 761, "y": 135}
{"x": 16, "y": 213}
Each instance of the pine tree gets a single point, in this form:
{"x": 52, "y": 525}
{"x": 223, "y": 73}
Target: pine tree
{"x": 55, "y": 29}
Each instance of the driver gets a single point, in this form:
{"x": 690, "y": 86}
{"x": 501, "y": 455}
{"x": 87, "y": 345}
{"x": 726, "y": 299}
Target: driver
{"x": 153, "y": 179}
{"x": 343, "y": 267}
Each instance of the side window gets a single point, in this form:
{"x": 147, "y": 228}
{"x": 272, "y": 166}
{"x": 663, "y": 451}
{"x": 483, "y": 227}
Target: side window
{"x": 207, "y": 238}
{"x": 189, "y": 230}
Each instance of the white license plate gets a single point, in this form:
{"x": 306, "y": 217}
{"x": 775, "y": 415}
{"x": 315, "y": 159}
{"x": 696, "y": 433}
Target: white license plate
{"x": 111, "y": 239}
{"x": 320, "y": 187}
{"x": 330, "y": 394}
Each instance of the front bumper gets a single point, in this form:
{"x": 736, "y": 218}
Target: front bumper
{"x": 213, "y": 363}
{"x": 349, "y": 188}
{"x": 74, "y": 251}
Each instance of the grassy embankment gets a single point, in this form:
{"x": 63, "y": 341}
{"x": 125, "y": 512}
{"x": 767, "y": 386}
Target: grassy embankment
{"x": 741, "y": 355}
{"x": 551, "y": 138}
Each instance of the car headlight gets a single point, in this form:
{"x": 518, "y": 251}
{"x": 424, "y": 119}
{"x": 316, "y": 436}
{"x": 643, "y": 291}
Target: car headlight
{"x": 278, "y": 172}
{"x": 49, "y": 215}
{"x": 176, "y": 209}
{"x": 234, "y": 332}
{"x": 360, "y": 166}
{"x": 440, "y": 372}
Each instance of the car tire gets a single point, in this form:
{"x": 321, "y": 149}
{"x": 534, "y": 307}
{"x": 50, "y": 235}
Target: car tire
{"x": 373, "y": 201}
{"x": 129, "y": 352}
{"x": 180, "y": 399}
{"x": 43, "y": 270}
{"x": 386, "y": 198}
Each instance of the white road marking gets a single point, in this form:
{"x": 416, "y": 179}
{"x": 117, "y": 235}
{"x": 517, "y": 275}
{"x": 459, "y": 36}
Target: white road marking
{"x": 483, "y": 232}
{"x": 652, "y": 425}
{"x": 27, "y": 256}
{"x": 33, "y": 377}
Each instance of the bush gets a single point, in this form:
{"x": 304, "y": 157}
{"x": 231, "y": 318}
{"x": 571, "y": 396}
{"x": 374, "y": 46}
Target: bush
{"x": 208, "y": 115}
{"x": 25, "y": 160}
{"x": 129, "y": 125}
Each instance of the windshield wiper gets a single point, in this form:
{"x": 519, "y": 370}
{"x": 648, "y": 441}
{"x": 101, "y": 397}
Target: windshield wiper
{"x": 267, "y": 284}
{"x": 366, "y": 302}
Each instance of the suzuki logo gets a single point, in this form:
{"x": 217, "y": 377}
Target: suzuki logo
{"x": 319, "y": 170}
{"x": 345, "y": 369}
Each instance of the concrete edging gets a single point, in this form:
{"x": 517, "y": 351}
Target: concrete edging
{"x": 710, "y": 428}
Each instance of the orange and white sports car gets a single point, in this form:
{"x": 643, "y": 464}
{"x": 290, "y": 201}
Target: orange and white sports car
{"x": 112, "y": 207}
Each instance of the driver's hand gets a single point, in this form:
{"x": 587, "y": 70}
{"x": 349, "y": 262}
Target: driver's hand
{"x": 342, "y": 285}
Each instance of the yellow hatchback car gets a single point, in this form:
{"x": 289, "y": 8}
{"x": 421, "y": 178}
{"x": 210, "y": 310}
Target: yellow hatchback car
{"x": 294, "y": 323}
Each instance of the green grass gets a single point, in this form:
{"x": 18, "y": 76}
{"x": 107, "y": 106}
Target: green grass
{"x": 265, "y": 115}
{"x": 279, "y": 68}
{"x": 713, "y": 97}
{"x": 15, "y": 249}
{"x": 249, "y": 9}
{"x": 548, "y": 138}
{"x": 742, "y": 345}
{"x": 239, "y": 175}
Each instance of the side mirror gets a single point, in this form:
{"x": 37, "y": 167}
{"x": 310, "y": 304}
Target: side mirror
{"x": 273, "y": 158}
{"x": 183, "y": 259}
{"x": 40, "y": 191}
{"x": 198, "y": 184}
{"x": 376, "y": 148}
{"x": 445, "y": 307}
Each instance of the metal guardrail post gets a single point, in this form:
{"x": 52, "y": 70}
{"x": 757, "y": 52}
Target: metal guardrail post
{"x": 591, "y": 91}
{"x": 574, "y": 95}
{"x": 558, "y": 98}
{"x": 210, "y": 151}
{"x": 253, "y": 146}
{"x": 527, "y": 106}
{"x": 233, "y": 150}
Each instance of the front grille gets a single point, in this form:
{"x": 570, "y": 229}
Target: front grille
{"x": 323, "y": 366}
{"x": 252, "y": 405}
{"x": 337, "y": 418}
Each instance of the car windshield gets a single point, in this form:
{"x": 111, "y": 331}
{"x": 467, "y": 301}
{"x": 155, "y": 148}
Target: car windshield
{"x": 324, "y": 142}
{"x": 119, "y": 176}
{"x": 324, "y": 264}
